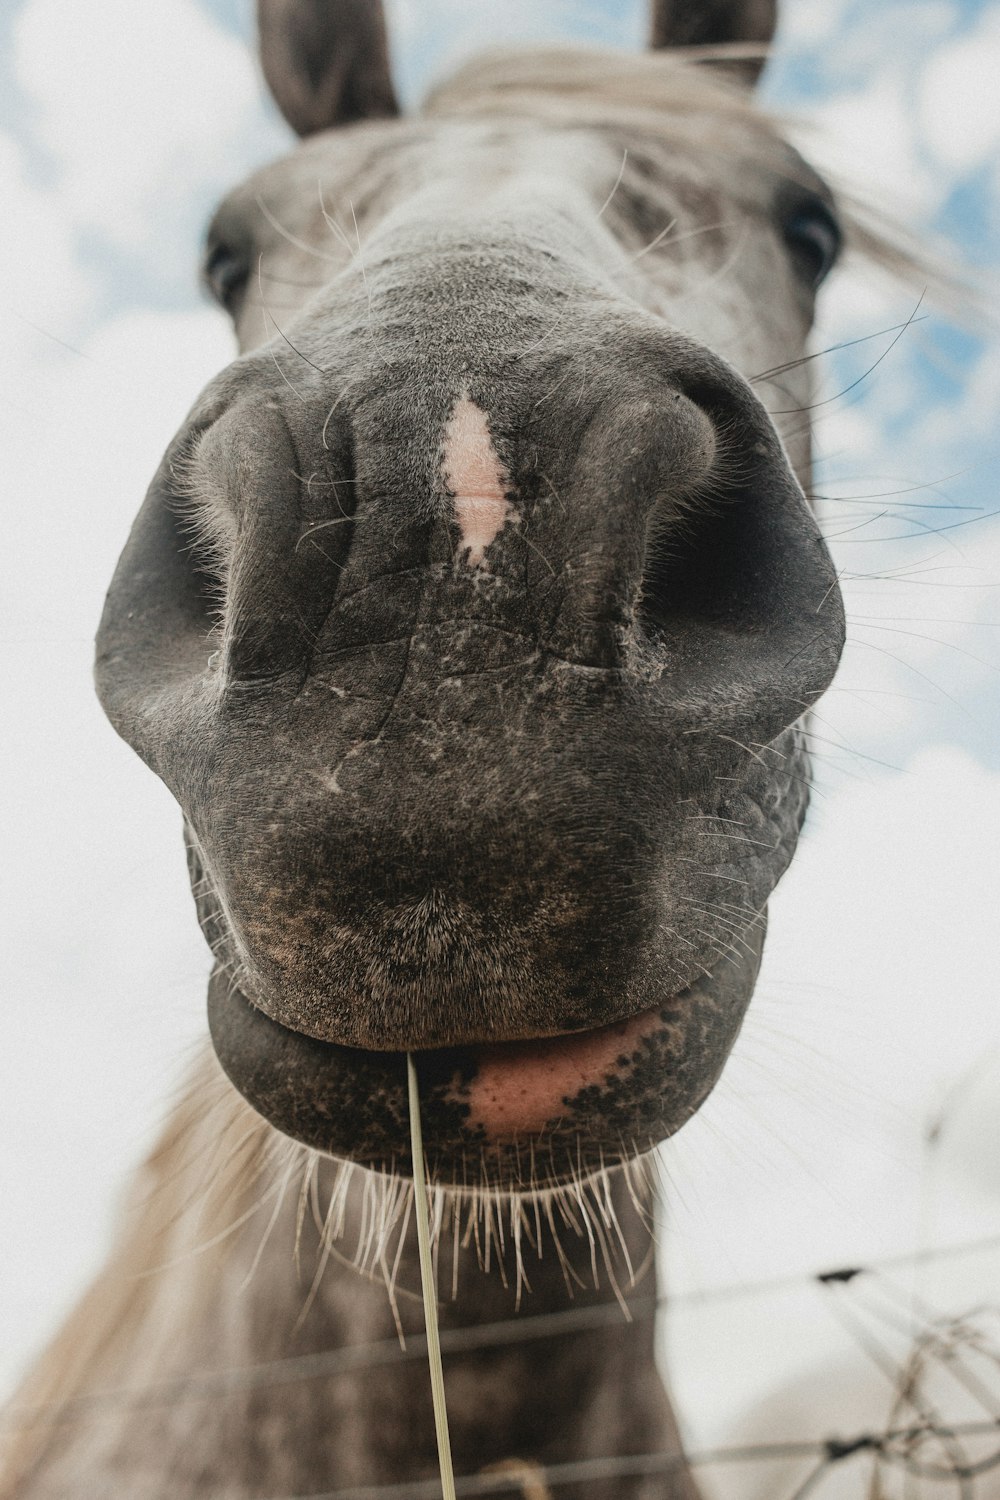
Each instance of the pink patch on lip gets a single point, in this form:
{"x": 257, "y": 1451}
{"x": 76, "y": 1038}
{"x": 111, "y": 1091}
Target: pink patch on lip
{"x": 520, "y": 1087}
{"x": 472, "y": 470}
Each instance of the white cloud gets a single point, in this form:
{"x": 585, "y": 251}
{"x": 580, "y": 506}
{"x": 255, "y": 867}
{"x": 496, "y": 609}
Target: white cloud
{"x": 921, "y": 662}
{"x": 104, "y": 965}
{"x": 96, "y": 423}
{"x": 918, "y": 552}
{"x": 807, "y": 28}
{"x": 44, "y": 284}
{"x": 143, "y": 108}
{"x": 973, "y": 417}
{"x": 959, "y": 98}
{"x": 868, "y": 136}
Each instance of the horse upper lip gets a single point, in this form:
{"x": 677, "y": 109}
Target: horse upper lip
{"x": 324, "y": 1031}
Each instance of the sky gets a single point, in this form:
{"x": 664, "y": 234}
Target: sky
{"x": 876, "y": 1014}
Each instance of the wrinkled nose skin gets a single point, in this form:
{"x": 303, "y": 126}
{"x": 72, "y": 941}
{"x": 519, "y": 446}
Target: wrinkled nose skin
{"x": 520, "y": 582}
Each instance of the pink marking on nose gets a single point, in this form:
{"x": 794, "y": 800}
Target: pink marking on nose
{"x": 471, "y": 468}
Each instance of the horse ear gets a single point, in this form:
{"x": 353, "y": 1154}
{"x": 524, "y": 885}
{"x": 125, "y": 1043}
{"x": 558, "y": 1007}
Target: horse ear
{"x": 711, "y": 23}
{"x": 326, "y": 61}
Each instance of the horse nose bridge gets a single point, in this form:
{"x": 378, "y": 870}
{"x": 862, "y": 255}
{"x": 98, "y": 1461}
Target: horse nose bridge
{"x": 589, "y": 511}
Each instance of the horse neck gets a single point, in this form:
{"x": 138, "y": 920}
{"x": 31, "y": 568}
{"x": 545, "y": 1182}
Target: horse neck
{"x": 240, "y": 1348}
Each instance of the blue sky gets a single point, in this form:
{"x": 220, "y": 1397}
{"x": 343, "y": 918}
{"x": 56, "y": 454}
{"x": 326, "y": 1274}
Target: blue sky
{"x": 120, "y": 125}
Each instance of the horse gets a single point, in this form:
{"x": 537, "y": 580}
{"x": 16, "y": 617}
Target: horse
{"x": 473, "y": 618}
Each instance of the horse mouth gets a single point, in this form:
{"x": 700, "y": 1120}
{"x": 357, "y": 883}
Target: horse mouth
{"x": 525, "y": 1113}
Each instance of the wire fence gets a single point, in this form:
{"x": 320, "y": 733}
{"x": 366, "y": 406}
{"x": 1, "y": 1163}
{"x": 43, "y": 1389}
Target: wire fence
{"x": 523, "y": 1329}
{"x": 940, "y": 1435}
{"x": 828, "y": 1452}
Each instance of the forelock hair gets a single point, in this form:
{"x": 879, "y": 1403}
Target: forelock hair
{"x": 698, "y": 92}
{"x": 603, "y": 86}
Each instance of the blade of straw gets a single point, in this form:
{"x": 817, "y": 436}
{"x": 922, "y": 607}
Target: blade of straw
{"x": 427, "y": 1285}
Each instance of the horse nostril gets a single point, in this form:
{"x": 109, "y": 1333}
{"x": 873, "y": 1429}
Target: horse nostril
{"x": 702, "y": 566}
{"x": 739, "y": 600}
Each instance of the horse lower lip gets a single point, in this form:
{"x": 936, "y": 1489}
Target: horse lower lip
{"x": 520, "y": 1087}
{"x": 582, "y": 1100}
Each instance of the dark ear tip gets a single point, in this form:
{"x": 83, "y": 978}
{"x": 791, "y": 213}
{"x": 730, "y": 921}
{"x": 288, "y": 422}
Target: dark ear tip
{"x": 326, "y": 62}
{"x": 718, "y": 23}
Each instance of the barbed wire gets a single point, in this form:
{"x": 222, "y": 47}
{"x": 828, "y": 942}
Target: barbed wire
{"x": 524, "y": 1329}
{"x": 921, "y": 1441}
{"x": 932, "y": 1448}
{"x": 830, "y": 1451}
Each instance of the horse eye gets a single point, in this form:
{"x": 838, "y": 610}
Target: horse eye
{"x": 225, "y": 274}
{"x": 814, "y": 238}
